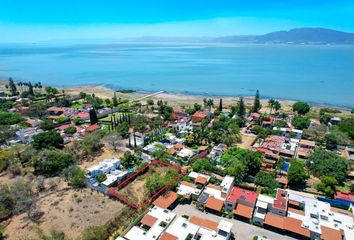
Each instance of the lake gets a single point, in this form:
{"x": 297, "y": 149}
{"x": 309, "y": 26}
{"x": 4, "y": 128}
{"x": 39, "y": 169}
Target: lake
{"x": 319, "y": 74}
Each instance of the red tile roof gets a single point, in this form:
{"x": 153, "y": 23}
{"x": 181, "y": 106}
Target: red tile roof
{"x": 344, "y": 196}
{"x": 243, "y": 194}
{"x": 244, "y": 211}
{"x": 280, "y": 200}
{"x": 274, "y": 220}
{"x": 294, "y": 225}
{"x": 330, "y": 234}
{"x": 168, "y": 236}
{"x": 55, "y": 109}
{"x": 82, "y": 115}
{"x": 204, "y": 223}
{"x": 201, "y": 180}
{"x": 148, "y": 220}
{"x": 92, "y": 127}
{"x": 166, "y": 200}
{"x": 214, "y": 204}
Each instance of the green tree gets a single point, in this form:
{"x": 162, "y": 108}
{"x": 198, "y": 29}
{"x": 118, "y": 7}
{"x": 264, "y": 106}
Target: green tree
{"x": 150, "y": 102}
{"x": 280, "y": 123}
{"x": 252, "y": 160}
{"x": 12, "y": 86}
{"x": 276, "y": 105}
{"x": 203, "y": 165}
{"x": 70, "y": 130}
{"x": 347, "y": 126}
{"x": 220, "y": 105}
{"x": 301, "y": 122}
{"x": 47, "y": 140}
{"x": 95, "y": 233}
{"x": 327, "y": 186}
{"x": 301, "y": 108}
{"x": 101, "y": 178}
{"x": 51, "y": 162}
{"x": 257, "y": 103}
{"x": 325, "y": 163}
{"x": 115, "y": 100}
{"x": 129, "y": 159}
{"x": 237, "y": 170}
{"x": 241, "y": 108}
{"x": 10, "y": 118}
{"x": 76, "y": 177}
{"x": 268, "y": 181}
{"x": 297, "y": 174}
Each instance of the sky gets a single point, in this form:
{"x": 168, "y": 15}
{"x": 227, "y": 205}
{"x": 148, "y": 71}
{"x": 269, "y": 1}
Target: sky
{"x": 56, "y": 20}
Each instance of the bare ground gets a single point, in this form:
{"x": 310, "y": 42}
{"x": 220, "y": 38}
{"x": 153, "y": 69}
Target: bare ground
{"x": 135, "y": 191}
{"x": 70, "y": 211}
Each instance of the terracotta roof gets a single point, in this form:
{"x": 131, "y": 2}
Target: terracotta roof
{"x": 82, "y": 115}
{"x": 274, "y": 220}
{"x": 213, "y": 186}
{"x": 242, "y": 194}
{"x": 214, "y": 204}
{"x": 187, "y": 184}
{"x": 55, "y": 109}
{"x": 204, "y": 223}
{"x": 342, "y": 211}
{"x": 148, "y": 220}
{"x": 281, "y": 199}
{"x": 171, "y": 151}
{"x": 294, "y": 203}
{"x": 330, "y": 234}
{"x": 307, "y": 143}
{"x": 168, "y": 236}
{"x": 243, "y": 211}
{"x": 178, "y": 146}
{"x": 345, "y": 196}
{"x": 201, "y": 180}
{"x": 166, "y": 200}
{"x": 203, "y": 148}
{"x": 93, "y": 127}
{"x": 293, "y": 210}
{"x": 294, "y": 225}
{"x": 282, "y": 179}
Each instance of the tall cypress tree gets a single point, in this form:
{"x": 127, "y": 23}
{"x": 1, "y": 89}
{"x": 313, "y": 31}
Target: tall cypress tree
{"x": 220, "y": 105}
{"x": 257, "y": 103}
{"x": 12, "y": 87}
{"x": 241, "y": 109}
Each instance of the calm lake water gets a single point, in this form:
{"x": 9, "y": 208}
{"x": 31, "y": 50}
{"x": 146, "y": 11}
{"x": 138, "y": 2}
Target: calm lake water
{"x": 320, "y": 74}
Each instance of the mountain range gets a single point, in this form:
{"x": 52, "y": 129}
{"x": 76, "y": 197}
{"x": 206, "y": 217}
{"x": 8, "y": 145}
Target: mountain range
{"x": 294, "y": 36}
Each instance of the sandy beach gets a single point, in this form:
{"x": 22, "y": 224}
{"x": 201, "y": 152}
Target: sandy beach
{"x": 178, "y": 100}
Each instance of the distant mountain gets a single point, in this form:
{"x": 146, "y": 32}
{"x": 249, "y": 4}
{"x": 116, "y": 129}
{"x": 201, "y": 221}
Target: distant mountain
{"x": 308, "y": 35}
{"x": 294, "y": 36}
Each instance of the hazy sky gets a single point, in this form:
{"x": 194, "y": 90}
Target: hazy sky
{"x": 43, "y": 20}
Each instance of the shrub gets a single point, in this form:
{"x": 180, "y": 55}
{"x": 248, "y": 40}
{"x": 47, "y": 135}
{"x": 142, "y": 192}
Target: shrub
{"x": 52, "y": 162}
{"x": 95, "y": 233}
{"x": 70, "y": 130}
{"x": 301, "y": 108}
{"x": 76, "y": 177}
{"x": 47, "y": 140}
{"x": 301, "y": 122}
{"x": 10, "y": 118}
{"x": 101, "y": 178}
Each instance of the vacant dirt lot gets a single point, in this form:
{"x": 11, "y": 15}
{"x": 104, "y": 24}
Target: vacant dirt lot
{"x": 69, "y": 211}
{"x": 135, "y": 191}
{"x": 247, "y": 140}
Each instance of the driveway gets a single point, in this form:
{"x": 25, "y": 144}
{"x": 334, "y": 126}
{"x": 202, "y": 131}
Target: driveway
{"x": 242, "y": 230}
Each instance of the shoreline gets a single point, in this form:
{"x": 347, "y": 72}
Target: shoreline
{"x": 178, "y": 98}
{"x": 106, "y": 91}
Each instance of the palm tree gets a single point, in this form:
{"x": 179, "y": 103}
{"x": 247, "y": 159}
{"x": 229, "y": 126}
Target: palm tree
{"x": 271, "y": 104}
{"x": 277, "y": 106}
{"x": 205, "y": 103}
{"x": 210, "y": 103}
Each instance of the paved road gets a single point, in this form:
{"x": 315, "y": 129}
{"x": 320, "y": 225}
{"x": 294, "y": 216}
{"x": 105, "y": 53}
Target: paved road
{"x": 244, "y": 231}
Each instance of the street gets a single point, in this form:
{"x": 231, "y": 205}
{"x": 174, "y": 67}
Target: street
{"x": 242, "y": 230}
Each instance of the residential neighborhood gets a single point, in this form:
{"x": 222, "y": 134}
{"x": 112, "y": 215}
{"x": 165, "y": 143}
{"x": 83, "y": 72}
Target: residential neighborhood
{"x": 203, "y": 171}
